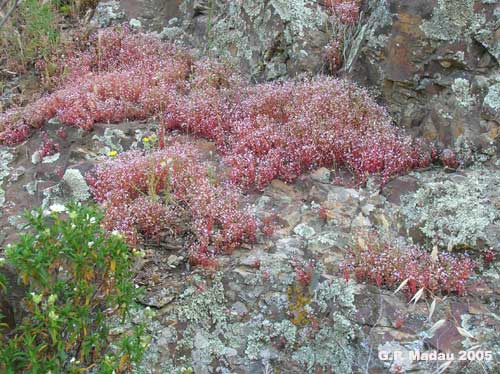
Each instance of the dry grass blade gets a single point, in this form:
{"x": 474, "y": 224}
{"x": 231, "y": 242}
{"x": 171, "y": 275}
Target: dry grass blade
{"x": 473, "y": 348}
{"x": 8, "y": 14}
{"x": 434, "y": 253}
{"x": 417, "y": 296}
{"x": 443, "y": 367}
{"x": 401, "y": 286}
{"x": 432, "y": 309}
{"x": 465, "y": 333}
{"x": 362, "y": 244}
{"x": 436, "y": 326}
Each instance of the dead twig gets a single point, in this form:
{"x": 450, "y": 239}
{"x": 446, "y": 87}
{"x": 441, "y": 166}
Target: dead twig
{"x": 9, "y": 12}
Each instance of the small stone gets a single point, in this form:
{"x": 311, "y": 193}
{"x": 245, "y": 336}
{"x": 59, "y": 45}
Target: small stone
{"x": 36, "y": 157}
{"x": 54, "y": 121}
{"x": 173, "y": 261}
{"x": 135, "y": 23}
{"x": 31, "y": 187}
{"x": 76, "y": 182}
{"x": 321, "y": 175}
{"x": 51, "y": 159}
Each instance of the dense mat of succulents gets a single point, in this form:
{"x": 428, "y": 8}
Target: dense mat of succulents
{"x": 171, "y": 192}
{"x": 263, "y": 132}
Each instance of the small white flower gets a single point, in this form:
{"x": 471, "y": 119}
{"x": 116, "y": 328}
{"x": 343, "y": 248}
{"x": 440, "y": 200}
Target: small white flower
{"x": 92, "y": 220}
{"x": 57, "y": 208}
{"x": 91, "y": 244}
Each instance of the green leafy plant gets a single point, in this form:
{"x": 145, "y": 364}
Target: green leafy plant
{"x": 77, "y": 277}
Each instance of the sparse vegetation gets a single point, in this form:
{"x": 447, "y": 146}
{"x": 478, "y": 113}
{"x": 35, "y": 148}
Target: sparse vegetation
{"x": 30, "y": 34}
{"x": 385, "y": 264}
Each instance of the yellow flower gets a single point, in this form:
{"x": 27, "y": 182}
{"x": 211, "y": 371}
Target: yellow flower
{"x": 112, "y": 153}
{"x": 145, "y": 139}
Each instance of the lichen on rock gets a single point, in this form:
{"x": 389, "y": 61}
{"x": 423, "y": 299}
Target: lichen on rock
{"x": 492, "y": 99}
{"x": 461, "y": 89}
{"x": 268, "y": 39}
{"x": 76, "y": 182}
{"x": 456, "y": 212}
{"x": 5, "y": 158}
{"x": 453, "y": 19}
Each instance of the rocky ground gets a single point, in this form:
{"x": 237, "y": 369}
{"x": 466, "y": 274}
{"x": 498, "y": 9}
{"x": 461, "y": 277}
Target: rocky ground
{"x": 254, "y": 313}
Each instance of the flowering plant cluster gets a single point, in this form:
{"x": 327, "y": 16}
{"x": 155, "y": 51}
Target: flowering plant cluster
{"x": 281, "y": 130}
{"x": 121, "y": 75}
{"x": 264, "y": 131}
{"x": 169, "y": 192}
{"x": 48, "y": 146}
{"x": 384, "y": 264}
{"x": 345, "y": 11}
{"x": 304, "y": 271}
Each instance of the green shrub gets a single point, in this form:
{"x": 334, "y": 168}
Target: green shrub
{"x": 77, "y": 277}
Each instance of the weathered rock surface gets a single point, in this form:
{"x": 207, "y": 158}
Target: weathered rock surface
{"x": 435, "y": 63}
{"x": 266, "y": 39}
{"x": 254, "y": 315}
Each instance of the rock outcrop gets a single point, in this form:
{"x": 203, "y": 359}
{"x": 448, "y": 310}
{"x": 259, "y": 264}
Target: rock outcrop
{"x": 435, "y": 63}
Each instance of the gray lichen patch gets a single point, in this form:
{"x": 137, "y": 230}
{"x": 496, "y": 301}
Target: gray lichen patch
{"x": 269, "y": 328}
{"x": 492, "y": 99}
{"x": 485, "y": 335}
{"x": 461, "y": 90}
{"x": 5, "y": 158}
{"x": 453, "y": 19}
{"x": 232, "y": 36}
{"x": 111, "y": 139}
{"x": 456, "y": 211}
{"x": 266, "y": 39}
{"x": 76, "y": 182}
